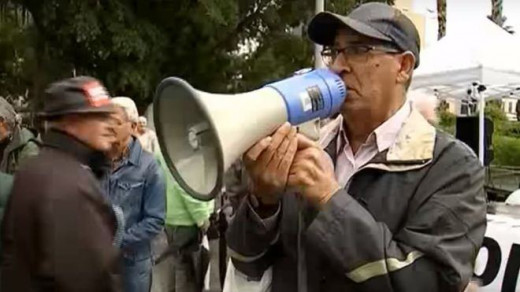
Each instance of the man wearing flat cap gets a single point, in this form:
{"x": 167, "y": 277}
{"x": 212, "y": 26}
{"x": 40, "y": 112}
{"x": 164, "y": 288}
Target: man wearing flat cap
{"x": 58, "y": 230}
{"x": 384, "y": 202}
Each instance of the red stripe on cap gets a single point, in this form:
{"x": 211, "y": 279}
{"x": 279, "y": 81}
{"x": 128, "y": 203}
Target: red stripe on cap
{"x": 96, "y": 94}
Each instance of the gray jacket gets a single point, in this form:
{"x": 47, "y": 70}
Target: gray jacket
{"x": 23, "y": 145}
{"x": 413, "y": 219}
{"x": 6, "y": 184}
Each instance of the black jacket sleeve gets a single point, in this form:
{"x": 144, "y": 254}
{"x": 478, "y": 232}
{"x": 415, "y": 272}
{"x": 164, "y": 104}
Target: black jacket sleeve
{"x": 251, "y": 240}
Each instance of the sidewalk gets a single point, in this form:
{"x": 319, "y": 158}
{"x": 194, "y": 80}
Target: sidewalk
{"x": 162, "y": 273}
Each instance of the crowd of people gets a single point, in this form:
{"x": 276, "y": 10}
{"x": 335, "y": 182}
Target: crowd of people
{"x": 84, "y": 199}
{"x": 383, "y": 202}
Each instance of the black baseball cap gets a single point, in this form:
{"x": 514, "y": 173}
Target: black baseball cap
{"x": 375, "y": 20}
{"x": 76, "y": 95}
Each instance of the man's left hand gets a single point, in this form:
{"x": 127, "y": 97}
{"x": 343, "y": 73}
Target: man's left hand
{"x": 312, "y": 173}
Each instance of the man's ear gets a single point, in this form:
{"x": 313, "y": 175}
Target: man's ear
{"x": 407, "y": 63}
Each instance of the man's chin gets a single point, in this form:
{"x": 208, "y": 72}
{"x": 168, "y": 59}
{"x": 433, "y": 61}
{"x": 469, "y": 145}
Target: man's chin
{"x": 354, "y": 107}
{"x": 111, "y": 151}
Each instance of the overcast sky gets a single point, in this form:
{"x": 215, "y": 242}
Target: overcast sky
{"x": 460, "y": 11}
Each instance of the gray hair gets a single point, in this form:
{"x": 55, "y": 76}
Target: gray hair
{"x": 128, "y": 106}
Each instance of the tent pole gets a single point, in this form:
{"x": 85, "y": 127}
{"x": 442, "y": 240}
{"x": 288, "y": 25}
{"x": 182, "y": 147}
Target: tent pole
{"x": 481, "y": 133}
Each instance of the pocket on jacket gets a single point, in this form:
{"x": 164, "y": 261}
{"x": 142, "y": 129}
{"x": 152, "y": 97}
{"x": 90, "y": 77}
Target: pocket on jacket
{"x": 129, "y": 185}
{"x": 130, "y": 193}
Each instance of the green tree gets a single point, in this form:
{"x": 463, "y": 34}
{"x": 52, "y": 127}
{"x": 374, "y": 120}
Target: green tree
{"x": 506, "y": 150}
{"x": 446, "y": 120}
{"x": 493, "y": 111}
{"x": 217, "y": 45}
{"x": 16, "y": 51}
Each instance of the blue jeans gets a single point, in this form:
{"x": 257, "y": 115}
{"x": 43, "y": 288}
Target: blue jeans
{"x": 137, "y": 275}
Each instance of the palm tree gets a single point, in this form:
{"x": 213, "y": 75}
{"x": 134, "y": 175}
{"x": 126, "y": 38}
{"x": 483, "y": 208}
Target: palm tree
{"x": 441, "y": 18}
{"x": 496, "y": 12}
{"x": 497, "y": 17}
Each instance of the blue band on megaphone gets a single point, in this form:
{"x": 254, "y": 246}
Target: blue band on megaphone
{"x": 317, "y": 94}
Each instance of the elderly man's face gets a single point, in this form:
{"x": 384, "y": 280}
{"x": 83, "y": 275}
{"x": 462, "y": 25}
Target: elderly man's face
{"x": 372, "y": 71}
{"x": 96, "y": 129}
{"x": 124, "y": 128}
{"x": 141, "y": 126}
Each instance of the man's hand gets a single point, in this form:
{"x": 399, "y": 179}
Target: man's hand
{"x": 312, "y": 173}
{"x": 268, "y": 163}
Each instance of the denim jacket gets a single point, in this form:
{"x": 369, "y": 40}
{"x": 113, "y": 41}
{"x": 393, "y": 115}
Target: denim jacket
{"x": 137, "y": 187}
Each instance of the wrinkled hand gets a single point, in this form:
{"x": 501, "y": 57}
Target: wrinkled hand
{"x": 312, "y": 173}
{"x": 268, "y": 163}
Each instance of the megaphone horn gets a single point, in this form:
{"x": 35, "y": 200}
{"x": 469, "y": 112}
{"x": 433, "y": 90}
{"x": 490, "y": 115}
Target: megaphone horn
{"x": 201, "y": 134}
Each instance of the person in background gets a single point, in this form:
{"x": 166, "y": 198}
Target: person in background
{"x": 426, "y": 104}
{"x": 135, "y": 185}
{"x": 6, "y": 184}
{"x": 187, "y": 219}
{"x": 146, "y": 136}
{"x": 58, "y": 228}
{"x": 16, "y": 143}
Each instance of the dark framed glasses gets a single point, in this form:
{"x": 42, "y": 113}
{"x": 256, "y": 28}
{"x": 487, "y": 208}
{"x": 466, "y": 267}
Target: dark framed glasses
{"x": 329, "y": 54}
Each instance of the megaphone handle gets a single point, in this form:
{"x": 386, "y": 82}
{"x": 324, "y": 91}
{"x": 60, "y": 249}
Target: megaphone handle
{"x": 310, "y": 129}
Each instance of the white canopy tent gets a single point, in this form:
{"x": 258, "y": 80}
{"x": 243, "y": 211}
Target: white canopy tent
{"x": 474, "y": 54}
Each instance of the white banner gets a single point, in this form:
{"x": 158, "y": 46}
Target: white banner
{"x": 498, "y": 262}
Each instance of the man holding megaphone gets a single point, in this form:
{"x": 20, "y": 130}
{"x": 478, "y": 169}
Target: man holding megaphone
{"x": 384, "y": 202}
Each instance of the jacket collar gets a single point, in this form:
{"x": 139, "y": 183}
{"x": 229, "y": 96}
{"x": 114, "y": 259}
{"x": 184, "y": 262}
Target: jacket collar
{"x": 136, "y": 150}
{"x": 415, "y": 142}
{"x": 21, "y": 136}
{"x": 413, "y": 147}
{"x": 96, "y": 160}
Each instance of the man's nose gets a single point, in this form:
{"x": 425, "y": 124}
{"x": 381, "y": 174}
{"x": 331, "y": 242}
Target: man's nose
{"x": 111, "y": 128}
{"x": 340, "y": 66}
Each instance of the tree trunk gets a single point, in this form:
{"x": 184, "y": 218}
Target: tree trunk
{"x": 441, "y": 17}
{"x": 496, "y": 12}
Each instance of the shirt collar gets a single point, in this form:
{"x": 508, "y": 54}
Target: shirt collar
{"x": 133, "y": 153}
{"x": 386, "y": 134}
{"x": 383, "y": 136}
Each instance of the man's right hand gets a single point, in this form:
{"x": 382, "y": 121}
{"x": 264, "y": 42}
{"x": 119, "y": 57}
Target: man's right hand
{"x": 268, "y": 163}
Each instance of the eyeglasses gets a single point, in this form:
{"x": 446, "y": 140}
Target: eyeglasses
{"x": 329, "y": 54}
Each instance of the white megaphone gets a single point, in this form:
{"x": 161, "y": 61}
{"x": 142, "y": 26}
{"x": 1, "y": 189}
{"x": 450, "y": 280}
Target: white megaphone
{"x": 201, "y": 134}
